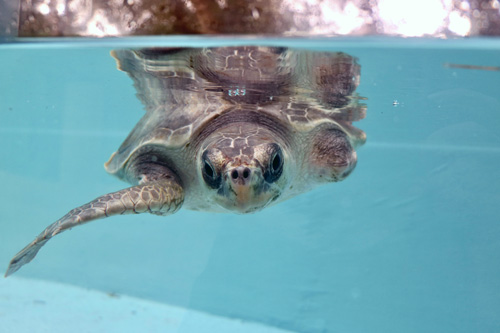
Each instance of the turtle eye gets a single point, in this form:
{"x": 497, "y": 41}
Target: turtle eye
{"x": 209, "y": 170}
{"x": 275, "y": 165}
{"x": 210, "y": 174}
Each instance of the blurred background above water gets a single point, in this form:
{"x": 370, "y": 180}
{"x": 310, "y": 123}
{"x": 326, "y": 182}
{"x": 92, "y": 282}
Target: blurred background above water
{"x": 100, "y": 18}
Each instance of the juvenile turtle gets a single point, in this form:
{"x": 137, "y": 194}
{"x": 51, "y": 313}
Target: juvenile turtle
{"x": 231, "y": 129}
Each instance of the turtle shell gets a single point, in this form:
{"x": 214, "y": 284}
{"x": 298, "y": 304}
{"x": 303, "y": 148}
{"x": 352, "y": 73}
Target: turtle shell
{"x": 185, "y": 89}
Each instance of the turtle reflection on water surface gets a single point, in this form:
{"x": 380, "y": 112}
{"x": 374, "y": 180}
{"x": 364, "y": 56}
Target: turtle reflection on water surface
{"x": 231, "y": 129}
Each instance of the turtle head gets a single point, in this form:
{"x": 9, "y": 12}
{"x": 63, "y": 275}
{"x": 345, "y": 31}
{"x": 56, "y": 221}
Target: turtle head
{"x": 244, "y": 166}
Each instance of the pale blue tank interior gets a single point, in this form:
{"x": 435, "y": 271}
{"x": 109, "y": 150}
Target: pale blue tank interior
{"x": 410, "y": 242}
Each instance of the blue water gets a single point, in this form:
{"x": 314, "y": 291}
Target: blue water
{"x": 408, "y": 243}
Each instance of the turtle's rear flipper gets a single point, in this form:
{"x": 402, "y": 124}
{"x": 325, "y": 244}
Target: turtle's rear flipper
{"x": 162, "y": 197}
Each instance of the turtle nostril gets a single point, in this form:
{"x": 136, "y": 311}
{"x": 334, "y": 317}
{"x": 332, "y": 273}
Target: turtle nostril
{"x": 246, "y": 173}
{"x": 240, "y": 173}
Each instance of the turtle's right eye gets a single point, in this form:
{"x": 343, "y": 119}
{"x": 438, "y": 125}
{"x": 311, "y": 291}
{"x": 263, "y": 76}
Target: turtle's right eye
{"x": 209, "y": 170}
{"x": 210, "y": 175}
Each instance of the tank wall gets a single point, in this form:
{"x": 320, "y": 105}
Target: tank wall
{"x": 409, "y": 242}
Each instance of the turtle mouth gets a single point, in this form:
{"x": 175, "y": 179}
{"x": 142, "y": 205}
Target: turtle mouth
{"x": 244, "y": 190}
{"x": 247, "y": 207}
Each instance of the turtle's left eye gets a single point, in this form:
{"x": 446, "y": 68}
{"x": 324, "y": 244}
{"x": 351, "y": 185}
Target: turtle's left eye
{"x": 275, "y": 167}
{"x": 276, "y": 163}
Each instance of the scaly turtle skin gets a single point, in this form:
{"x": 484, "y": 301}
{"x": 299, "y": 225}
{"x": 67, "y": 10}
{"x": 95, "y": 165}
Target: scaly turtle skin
{"x": 231, "y": 129}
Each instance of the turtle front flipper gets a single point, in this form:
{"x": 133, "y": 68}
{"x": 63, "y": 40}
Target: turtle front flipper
{"x": 161, "y": 197}
{"x": 332, "y": 155}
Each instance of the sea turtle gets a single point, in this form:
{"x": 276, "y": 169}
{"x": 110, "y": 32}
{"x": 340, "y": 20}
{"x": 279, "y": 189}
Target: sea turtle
{"x": 230, "y": 129}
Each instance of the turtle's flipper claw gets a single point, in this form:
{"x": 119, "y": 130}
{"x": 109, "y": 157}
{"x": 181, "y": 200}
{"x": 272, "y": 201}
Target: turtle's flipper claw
{"x": 24, "y": 256}
{"x": 161, "y": 197}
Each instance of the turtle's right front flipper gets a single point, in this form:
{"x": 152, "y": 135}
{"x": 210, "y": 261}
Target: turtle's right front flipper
{"x": 161, "y": 197}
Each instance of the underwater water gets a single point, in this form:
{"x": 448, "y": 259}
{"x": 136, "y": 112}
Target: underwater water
{"x": 408, "y": 243}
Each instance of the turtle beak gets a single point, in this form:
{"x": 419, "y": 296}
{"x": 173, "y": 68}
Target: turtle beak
{"x": 242, "y": 196}
{"x": 245, "y": 184}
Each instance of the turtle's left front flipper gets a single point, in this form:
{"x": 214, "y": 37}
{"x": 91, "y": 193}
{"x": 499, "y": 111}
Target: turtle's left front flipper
{"x": 161, "y": 197}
